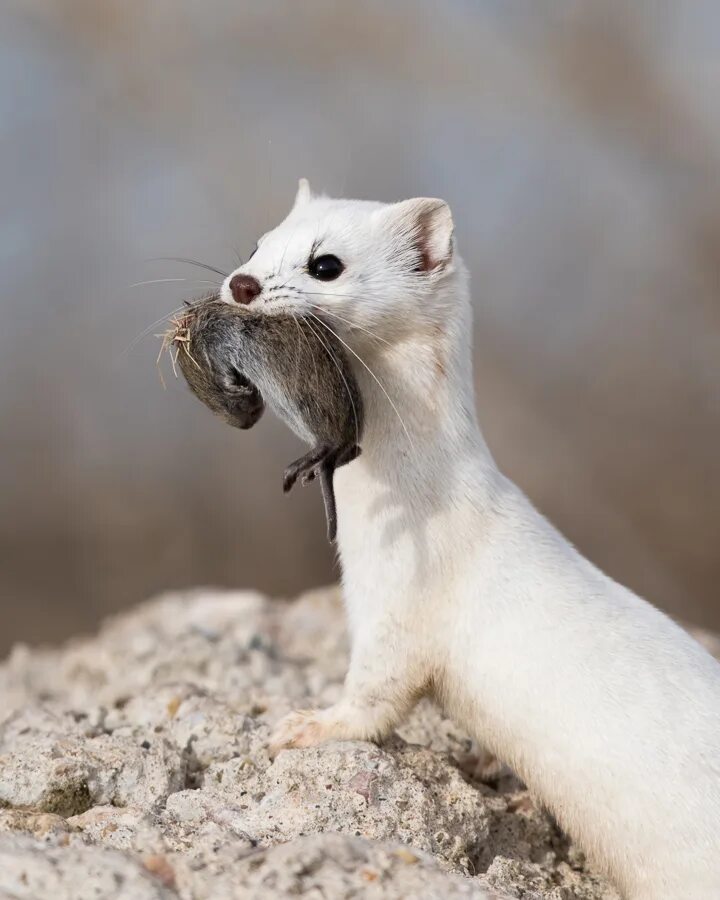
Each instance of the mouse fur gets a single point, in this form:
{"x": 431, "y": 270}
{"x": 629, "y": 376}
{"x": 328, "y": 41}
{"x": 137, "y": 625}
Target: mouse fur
{"x": 235, "y": 360}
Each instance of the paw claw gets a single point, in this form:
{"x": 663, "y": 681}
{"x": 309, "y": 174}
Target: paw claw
{"x": 301, "y": 728}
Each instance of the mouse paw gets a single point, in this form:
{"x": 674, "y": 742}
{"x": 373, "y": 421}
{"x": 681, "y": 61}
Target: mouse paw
{"x": 302, "y": 728}
{"x": 309, "y": 477}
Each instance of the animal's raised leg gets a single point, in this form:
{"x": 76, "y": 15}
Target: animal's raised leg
{"x": 383, "y": 683}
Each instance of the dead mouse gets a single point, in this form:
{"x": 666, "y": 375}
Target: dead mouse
{"x": 235, "y": 360}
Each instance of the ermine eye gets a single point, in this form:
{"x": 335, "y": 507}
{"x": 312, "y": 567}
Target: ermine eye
{"x": 325, "y": 268}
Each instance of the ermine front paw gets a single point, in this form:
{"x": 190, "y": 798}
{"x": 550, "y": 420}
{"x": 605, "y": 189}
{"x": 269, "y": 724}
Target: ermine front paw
{"x": 302, "y": 728}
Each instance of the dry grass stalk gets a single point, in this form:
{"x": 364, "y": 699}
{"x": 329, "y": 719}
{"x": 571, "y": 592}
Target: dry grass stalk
{"x": 177, "y": 339}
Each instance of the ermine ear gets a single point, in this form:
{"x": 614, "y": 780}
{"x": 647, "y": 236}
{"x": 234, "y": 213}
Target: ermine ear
{"x": 303, "y": 193}
{"x": 428, "y": 223}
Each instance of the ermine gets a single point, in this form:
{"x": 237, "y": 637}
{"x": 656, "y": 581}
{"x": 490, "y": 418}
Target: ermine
{"x": 234, "y": 359}
{"x": 457, "y": 588}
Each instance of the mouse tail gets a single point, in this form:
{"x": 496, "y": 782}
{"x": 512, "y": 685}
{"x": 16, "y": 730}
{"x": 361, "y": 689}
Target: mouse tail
{"x": 327, "y": 470}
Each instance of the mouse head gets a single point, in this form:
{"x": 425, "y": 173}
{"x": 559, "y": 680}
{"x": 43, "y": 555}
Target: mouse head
{"x": 368, "y": 268}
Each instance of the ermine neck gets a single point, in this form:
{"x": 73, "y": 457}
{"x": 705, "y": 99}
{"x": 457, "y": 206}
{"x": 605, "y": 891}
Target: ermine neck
{"x": 420, "y": 410}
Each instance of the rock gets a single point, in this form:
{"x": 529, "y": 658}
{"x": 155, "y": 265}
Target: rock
{"x": 51, "y": 764}
{"x": 407, "y": 794}
{"x": 74, "y": 871}
{"x": 340, "y": 866}
{"x": 32, "y": 822}
{"x": 134, "y": 764}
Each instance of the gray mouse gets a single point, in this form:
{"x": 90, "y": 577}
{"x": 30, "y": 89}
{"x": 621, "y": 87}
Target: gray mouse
{"x": 235, "y": 360}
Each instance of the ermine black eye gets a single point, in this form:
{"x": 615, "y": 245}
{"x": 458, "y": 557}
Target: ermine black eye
{"x": 325, "y": 268}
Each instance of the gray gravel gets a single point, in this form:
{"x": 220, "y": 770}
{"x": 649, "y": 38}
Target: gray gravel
{"x": 133, "y": 764}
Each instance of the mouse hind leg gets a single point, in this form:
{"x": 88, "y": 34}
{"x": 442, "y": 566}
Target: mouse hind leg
{"x": 307, "y": 466}
{"x": 321, "y": 462}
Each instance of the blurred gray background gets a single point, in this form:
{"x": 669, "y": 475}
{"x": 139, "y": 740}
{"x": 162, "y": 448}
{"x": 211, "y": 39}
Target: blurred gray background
{"x": 579, "y": 146}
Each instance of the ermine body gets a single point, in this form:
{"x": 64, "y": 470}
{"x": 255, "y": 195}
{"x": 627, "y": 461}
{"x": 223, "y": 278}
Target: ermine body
{"x": 233, "y": 359}
{"x": 457, "y": 588}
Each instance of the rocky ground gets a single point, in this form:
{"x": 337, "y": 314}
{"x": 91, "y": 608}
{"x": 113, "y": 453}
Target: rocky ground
{"x": 133, "y": 765}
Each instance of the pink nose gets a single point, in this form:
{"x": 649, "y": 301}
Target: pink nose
{"x": 244, "y": 288}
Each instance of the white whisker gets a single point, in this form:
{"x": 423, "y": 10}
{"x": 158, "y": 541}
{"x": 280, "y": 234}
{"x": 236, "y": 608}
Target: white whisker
{"x": 329, "y": 352}
{"x": 360, "y": 297}
{"x": 173, "y": 312}
{"x": 297, "y": 355}
{"x": 304, "y": 337}
{"x": 352, "y": 324}
{"x": 377, "y": 380}
{"x": 190, "y": 262}
{"x": 148, "y": 330}
{"x": 167, "y": 280}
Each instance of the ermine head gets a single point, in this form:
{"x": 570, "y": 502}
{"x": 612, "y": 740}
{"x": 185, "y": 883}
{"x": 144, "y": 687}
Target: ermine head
{"x": 371, "y": 269}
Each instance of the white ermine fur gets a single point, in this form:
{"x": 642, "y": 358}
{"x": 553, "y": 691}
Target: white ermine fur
{"x": 457, "y": 588}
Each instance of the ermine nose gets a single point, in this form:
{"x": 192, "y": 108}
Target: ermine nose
{"x": 244, "y": 288}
